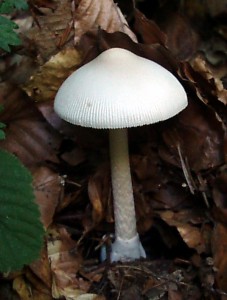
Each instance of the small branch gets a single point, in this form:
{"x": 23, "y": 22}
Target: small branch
{"x": 187, "y": 174}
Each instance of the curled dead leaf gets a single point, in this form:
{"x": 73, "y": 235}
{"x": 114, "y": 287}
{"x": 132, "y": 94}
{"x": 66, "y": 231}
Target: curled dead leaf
{"x": 44, "y": 4}
{"x": 216, "y": 8}
{"x": 29, "y": 136}
{"x": 24, "y": 290}
{"x": 44, "y": 84}
{"x": 200, "y": 65}
{"x": 48, "y": 30}
{"x": 148, "y": 29}
{"x": 92, "y": 14}
{"x": 99, "y": 195}
{"x": 47, "y": 188}
{"x": 65, "y": 262}
{"x": 182, "y": 39}
{"x": 192, "y": 235}
{"x": 219, "y": 192}
{"x": 219, "y": 246}
{"x": 198, "y": 127}
{"x": 41, "y": 268}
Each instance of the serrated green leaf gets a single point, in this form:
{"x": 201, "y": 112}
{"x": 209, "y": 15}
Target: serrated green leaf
{"x": 8, "y": 6}
{"x": 2, "y": 133}
{"x": 8, "y": 39}
{"x": 7, "y": 36}
{"x": 21, "y": 232}
{"x": 2, "y": 125}
{"x": 6, "y": 23}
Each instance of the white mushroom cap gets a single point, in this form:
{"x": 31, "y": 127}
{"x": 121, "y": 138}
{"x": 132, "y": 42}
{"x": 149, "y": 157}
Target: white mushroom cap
{"x": 119, "y": 89}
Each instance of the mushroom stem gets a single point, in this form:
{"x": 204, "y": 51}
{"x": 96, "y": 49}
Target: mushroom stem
{"x": 124, "y": 209}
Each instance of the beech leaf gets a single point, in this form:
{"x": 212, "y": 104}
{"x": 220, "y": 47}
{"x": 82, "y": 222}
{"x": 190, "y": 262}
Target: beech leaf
{"x": 91, "y": 14}
{"x": 21, "y": 231}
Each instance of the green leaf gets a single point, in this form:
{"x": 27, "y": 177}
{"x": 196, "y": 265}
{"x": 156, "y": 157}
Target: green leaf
{"x": 7, "y": 36}
{"x": 2, "y": 125}
{"x": 21, "y": 232}
{"x": 4, "y": 22}
{"x": 8, "y": 6}
{"x": 2, "y": 133}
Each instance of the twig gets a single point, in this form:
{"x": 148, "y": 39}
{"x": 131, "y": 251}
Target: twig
{"x": 187, "y": 174}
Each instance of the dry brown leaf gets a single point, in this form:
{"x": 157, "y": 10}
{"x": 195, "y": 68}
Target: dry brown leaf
{"x": 92, "y": 14}
{"x": 95, "y": 197}
{"x": 194, "y": 8}
{"x": 219, "y": 192}
{"x": 41, "y": 268}
{"x": 44, "y": 84}
{"x": 216, "y": 85}
{"x": 148, "y": 29}
{"x": 65, "y": 128}
{"x": 44, "y": 3}
{"x": 99, "y": 194}
{"x": 24, "y": 290}
{"x": 40, "y": 286}
{"x": 65, "y": 262}
{"x": 219, "y": 246}
{"x": 216, "y": 8}
{"x": 198, "y": 127}
{"x": 182, "y": 40}
{"x": 50, "y": 30}
{"x": 47, "y": 188}
{"x": 191, "y": 235}
{"x": 174, "y": 294}
{"x": 29, "y": 136}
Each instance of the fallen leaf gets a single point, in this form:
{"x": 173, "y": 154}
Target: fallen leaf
{"x": 174, "y": 294}
{"x": 215, "y": 84}
{"x": 198, "y": 127}
{"x": 44, "y": 83}
{"x": 41, "y": 268}
{"x": 148, "y": 29}
{"x": 47, "y": 188}
{"x": 92, "y": 14}
{"x": 182, "y": 39}
{"x": 29, "y": 136}
{"x": 99, "y": 195}
{"x": 49, "y": 29}
{"x": 159, "y": 186}
{"x": 65, "y": 262}
{"x": 191, "y": 234}
{"x": 219, "y": 248}
{"x": 216, "y": 8}
{"x": 44, "y": 3}
{"x": 24, "y": 290}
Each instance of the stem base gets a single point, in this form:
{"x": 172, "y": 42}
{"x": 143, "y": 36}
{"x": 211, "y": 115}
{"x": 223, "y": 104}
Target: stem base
{"x": 127, "y": 250}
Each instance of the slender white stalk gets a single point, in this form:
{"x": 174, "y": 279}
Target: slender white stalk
{"x": 127, "y": 245}
{"x": 124, "y": 209}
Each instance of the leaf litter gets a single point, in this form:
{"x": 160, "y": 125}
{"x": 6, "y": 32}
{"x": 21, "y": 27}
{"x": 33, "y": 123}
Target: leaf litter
{"x": 178, "y": 166}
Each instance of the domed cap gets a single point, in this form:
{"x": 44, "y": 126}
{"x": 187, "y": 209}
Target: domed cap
{"x": 119, "y": 89}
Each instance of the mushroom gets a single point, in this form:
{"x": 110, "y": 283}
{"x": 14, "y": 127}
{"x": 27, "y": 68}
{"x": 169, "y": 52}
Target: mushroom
{"x": 115, "y": 91}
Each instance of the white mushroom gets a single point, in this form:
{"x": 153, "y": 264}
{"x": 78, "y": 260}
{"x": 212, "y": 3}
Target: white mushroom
{"x": 118, "y": 90}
